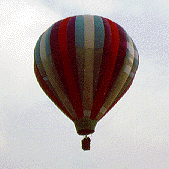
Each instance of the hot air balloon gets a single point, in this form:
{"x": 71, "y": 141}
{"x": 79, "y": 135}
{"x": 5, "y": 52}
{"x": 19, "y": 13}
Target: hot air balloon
{"x": 85, "y": 64}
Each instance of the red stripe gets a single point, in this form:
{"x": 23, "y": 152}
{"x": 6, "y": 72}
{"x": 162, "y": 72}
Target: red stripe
{"x": 120, "y": 56}
{"x": 72, "y": 50}
{"x": 68, "y": 73}
{"x": 56, "y": 55}
{"x": 99, "y": 100}
{"x": 49, "y": 92}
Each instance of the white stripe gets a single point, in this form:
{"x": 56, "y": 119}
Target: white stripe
{"x": 127, "y": 69}
{"x": 130, "y": 47}
{"x": 89, "y": 31}
{"x": 101, "y": 113}
{"x": 87, "y": 113}
{"x": 51, "y": 74}
{"x": 88, "y": 62}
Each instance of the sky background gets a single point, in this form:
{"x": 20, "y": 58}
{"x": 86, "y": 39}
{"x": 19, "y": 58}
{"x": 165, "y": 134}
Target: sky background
{"x": 34, "y": 134}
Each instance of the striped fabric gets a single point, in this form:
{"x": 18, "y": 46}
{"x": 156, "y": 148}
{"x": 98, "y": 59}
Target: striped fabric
{"x": 85, "y": 64}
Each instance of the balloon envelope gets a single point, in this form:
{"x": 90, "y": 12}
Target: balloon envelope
{"x": 85, "y": 64}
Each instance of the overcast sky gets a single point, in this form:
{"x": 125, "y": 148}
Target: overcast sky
{"x": 34, "y": 134}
